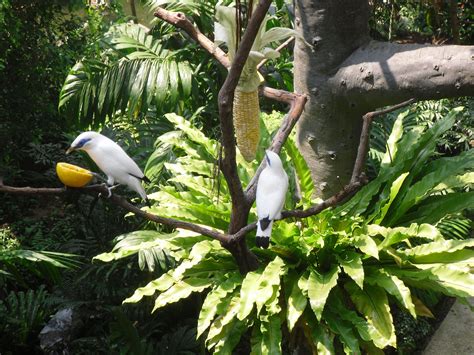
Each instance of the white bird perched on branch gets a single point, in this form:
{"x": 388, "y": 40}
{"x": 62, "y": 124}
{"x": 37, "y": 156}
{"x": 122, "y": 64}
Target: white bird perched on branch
{"x": 271, "y": 191}
{"x": 112, "y": 160}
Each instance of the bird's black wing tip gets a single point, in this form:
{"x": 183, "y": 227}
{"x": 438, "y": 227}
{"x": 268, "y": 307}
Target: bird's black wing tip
{"x": 264, "y": 223}
{"x": 143, "y": 178}
{"x": 262, "y": 242}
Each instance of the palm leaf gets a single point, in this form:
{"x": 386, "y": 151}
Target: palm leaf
{"x": 144, "y": 74}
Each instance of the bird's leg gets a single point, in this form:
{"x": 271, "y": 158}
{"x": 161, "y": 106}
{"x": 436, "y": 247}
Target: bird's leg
{"x": 109, "y": 189}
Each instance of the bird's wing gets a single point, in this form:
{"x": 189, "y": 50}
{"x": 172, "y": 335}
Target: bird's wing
{"x": 271, "y": 191}
{"x": 118, "y": 159}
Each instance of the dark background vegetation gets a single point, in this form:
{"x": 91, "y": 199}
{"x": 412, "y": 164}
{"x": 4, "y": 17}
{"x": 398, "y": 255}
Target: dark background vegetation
{"x": 39, "y": 42}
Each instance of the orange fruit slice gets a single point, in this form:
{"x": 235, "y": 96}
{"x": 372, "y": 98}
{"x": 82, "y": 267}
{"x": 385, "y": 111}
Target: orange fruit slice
{"x": 72, "y": 175}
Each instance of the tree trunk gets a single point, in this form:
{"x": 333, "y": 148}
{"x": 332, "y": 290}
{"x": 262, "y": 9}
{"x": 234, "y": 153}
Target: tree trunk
{"x": 346, "y": 74}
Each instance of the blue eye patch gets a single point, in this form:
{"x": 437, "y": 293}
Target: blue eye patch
{"x": 81, "y": 143}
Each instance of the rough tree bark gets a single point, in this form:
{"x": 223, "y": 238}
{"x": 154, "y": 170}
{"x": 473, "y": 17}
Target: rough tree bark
{"x": 346, "y": 74}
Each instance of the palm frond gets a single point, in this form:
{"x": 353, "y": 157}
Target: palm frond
{"x": 144, "y": 75}
{"x": 455, "y": 227}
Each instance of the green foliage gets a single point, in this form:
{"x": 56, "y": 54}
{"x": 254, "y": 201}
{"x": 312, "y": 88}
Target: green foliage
{"x": 140, "y": 72}
{"x": 39, "y": 41}
{"x": 14, "y": 260}
{"x": 422, "y": 21}
{"x": 425, "y": 113}
{"x": 330, "y": 280}
{"x": 22, "y": 314}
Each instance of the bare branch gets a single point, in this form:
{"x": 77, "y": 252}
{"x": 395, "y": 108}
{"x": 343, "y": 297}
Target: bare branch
{"x": 225, "y": 101}
{"x": 278, "y": 49}
{"x": 119, "y": 201}
{"x": 386, "y": 110}
{"x": 357, "y": 180}
{"x": 178, "y": 19}
{"x": 364, "y": 137}
{"x": 341, "y": 196}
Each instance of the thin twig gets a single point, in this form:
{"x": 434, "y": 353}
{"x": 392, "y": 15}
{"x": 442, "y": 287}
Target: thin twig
{"x": 278, "y": 49}
{"x": 365, "y": 134}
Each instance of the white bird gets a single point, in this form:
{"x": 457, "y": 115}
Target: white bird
{"x": 112, "y": 160}
{"x": 271, "y": 191}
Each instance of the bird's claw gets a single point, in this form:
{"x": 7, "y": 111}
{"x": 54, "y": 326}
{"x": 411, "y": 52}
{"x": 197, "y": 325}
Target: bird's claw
{"x": 109, "y": 190}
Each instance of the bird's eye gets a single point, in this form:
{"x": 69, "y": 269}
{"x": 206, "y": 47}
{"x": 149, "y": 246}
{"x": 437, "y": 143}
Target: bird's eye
{"x": 82, "y": 142}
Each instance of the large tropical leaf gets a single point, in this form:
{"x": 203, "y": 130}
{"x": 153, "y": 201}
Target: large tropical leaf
{"x": 296, "y": 302}
{"x": 214, "y": 299}
{"x": 319, "y": 286}
{"x": 372, "y": 302}
{"x": 142, "y": 74}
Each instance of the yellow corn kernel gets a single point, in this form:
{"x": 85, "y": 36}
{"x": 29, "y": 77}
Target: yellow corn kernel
{"x": 246, "y": 122}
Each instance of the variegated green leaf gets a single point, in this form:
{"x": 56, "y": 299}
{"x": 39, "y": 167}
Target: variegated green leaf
{"x": 417, "y": 253}
{"x": 163, "y": 283}
{"x": 344, "y": 330}
{"x": 321, "y": 337}
{"x": 367, "y": 245}
{"x": 452, "y": 279}
{"x": 399, "y": 234}
{"x": 337, "y": 306}
{"x": 181, "y": 289}
{"x": 351, "y": 263}
{"x": 248, "y": 294}
{"x": 269, "y": 339}
{"x": 228, "y": 319}
{"x": 394, "y": 286}
{"x": 319, "y": 286}
{"x": 213, "y": 299}
{"x": 296, "y": 302}
{"x": 269, "y": 287}
{"x": 372, "y": 302}
{"x": 394, "y": 189}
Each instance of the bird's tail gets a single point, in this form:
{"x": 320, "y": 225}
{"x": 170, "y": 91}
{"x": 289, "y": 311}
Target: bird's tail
{"x": 264, "y": 230}
{"x": 136, "y": 185}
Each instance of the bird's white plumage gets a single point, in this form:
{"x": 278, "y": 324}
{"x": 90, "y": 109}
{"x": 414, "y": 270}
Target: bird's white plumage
{"x": 112, "y": 160}
{"x": 271, "y": 191}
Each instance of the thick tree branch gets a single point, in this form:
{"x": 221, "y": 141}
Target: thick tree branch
{"x": 240, "y": 203}
{"x": 119, "y": 201}
{"x": 240, "y": 208}
{"x": 380, "y": 73}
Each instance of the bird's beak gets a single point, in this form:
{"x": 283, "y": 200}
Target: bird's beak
{"x": 69, "y": 150}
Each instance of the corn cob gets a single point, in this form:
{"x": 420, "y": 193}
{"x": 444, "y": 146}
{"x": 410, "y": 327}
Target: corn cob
{"x": 246, "y": 122}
